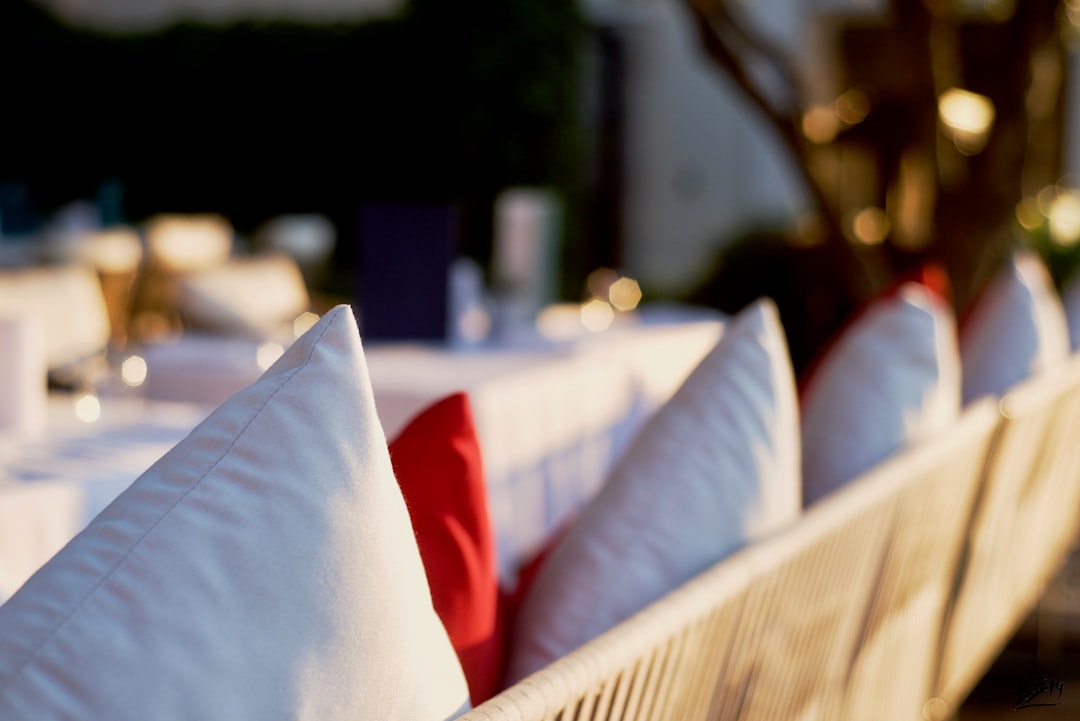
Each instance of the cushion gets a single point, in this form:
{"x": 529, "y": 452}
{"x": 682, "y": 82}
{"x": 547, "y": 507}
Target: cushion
{"x": 263, "y": 568}
{"x": 714, "y": 468}
{"x": 255, "y": 296}
{"x": 438, "y": 465}
{"x": 890, "y": 378}
{"x": 70, "y": 306}
{"x": 1014, "y": 328}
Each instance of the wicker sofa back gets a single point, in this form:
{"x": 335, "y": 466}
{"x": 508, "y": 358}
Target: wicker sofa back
{"x": 887, "y": 600}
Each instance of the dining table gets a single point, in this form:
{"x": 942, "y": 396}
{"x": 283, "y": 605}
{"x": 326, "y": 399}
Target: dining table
{"x": 552, "y": 418}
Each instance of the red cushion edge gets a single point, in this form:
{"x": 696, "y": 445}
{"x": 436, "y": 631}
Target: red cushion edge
{"x": 930, "y": 274}
{"x": 455, "y": 535}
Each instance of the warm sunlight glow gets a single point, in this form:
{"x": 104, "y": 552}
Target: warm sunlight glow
{"x": 87, "y": 408}
{"x": 133, "y": 371}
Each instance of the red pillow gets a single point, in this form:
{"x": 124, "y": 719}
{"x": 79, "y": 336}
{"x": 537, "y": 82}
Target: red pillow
{"x": 438, "y": 466}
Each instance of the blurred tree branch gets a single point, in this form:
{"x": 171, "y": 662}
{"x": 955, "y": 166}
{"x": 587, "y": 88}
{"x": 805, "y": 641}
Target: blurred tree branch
{"x": 1009, "y": 53}
{"x": 729, "y": 42}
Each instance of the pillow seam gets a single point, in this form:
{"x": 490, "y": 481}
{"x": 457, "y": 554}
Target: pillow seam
{"x": 138, "y": 542}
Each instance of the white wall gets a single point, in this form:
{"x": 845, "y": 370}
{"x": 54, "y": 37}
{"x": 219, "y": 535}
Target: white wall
{"x": 702, "y": 163}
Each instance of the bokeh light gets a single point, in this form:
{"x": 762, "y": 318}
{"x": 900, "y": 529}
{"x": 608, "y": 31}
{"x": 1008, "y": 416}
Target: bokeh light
{"x": 964, "y": 110}
{"x": 268, "y": 353}
{"x": 599, "y": 282}
{"x": 853, "y": 106}
{"x": 968, "y": 116}
{"x": 1064, "y": 217}
{"x": 1028, "y": 214}
{"x": 1045, "y": 199}
{"x": 624, "y": 294}
{"x": 87, "y": 408}
{"x": 304, "y": 322}
{"x": 133, "y": 371}
{"x": 820, "y": 124}
{"x": 597, "y": 315}
{"x": 935, "y": 709}
{"x": 870, "y": 226}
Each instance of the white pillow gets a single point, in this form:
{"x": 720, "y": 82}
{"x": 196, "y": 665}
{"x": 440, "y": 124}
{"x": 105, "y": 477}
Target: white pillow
{"x": 1015, "y": 329}
{"x": 265, "y": 568}
{"x": 891, "y": 379}
{"x": 717, "y": 466}
{"x": 255, "y": 296}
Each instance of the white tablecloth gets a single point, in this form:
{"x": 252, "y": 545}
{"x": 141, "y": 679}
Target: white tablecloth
{"x": 551, "y": 422}
{"x": 52, "y": 484}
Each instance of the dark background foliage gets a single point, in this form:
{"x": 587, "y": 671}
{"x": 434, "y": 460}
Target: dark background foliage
{"x": 444, "y": 103}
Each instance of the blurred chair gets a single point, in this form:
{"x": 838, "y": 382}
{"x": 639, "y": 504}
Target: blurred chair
{"x": 257, "y": 296}
{"x": 308, "y": 239}
{"x": 237, "y": 317}
{"x": 175, "y": 245}
{"x": 71, "y": 307}
{"x": 116, "y": 254}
